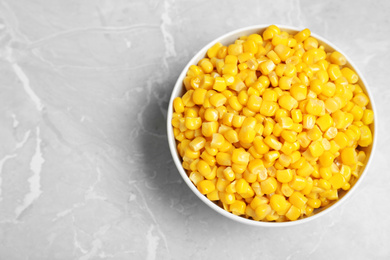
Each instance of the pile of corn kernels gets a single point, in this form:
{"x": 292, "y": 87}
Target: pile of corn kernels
{"x": 272, "y": 126}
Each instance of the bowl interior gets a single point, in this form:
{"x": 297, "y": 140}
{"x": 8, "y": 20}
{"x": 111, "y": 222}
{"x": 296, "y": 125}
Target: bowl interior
{"x": 179, "y": 90}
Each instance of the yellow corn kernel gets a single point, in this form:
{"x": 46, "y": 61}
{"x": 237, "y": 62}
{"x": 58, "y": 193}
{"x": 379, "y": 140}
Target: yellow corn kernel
{"x": 233, "y": 102}
{"x": 350, "y": 75}
{"x": 284, "y": 160}
{"x": 224, "y": 159}
{"x": 286, "y": 190}
{"x": 206, "y": 65}
{"x": 296, "y": 115}
{"x": 242, "y": 186}
{"x": 368, "y": 116}
{"x": 287, "y": 148}
{"x": 274, "y": 57}
{"x": 270, "y": 95}
{"x": 231, "y": 136}
{"x": 330, "y": 133}
{"x": 305, "y": 170}
{"x": 298, "y": 183}
{"x": 332, "y": 104}
{"x": 213, "y": 196}
{"x": 273, "y": 78}
{"x": 268, "y": 108}
{"x": 316, "y": 86}
{"x": 229, "y": 80}
{"x": 247, "y": 134}
{"x": 254, "y": 103}
{"x": 365, "y": 136}
{"x": 243, "y": 57}
{"x": 309, "y": 185}
{"x": 326, "y": 159}
{"x": 228, "y": 174}
{"x": 194, "y": 71}
{"x": 337, "y": 181}
{"x": 187, "y": 99}
{"x": 178, "y": 105}
{"x": 289, "y": 136}
{"x": 238, "y": 207}
{"x": 334, "y": 71}
{"x": 203, "y": 168}
{"x": 314, "y": 107}
{"x": 243, "y": 97}
{"x": 238, "y": 120}
{"x": 341, "y": 140}
{"x": 260, "y": 145}
{"x": 235, "y": 49}
{"x": 314, "y": 133}
{"x": 211, "y": 114}
{"x": 217, "y": 141}
{"x": 259, "y": 200}
{"x": 227, "y": 198}
{"x": 219, "y": 84}
{"x": 250, "y": 177}
{"x": 302, "y": 35}
{"x": 210, "y": 150}
{"x": 328, "y": 89}
{"x": 252, "y": 64}
{"x": 357, "y": 112}
{"x": 349, "y": 156}
{"x": 230, "y": 69}
{"x": 208, "y": 158}
{"x": 284, "y": 176}
{"x": 324, "y": 122}
{"x": 196, "y": 177}
{"x": 218, "y": 100}
{"x": 206, "y": 82}
{"x": 209, "y": 128}
{"x": 278, "y": 202}
{"x": 256, "y": 166}
{"x": 206, "y": 186}
{"x": 298, "y": 91}
{"x": 250, "y": 46}
{"x": 269, "y": 185}
{"x": 199, "y": 96}
{"x": 288, "y": 102}
{"x": 303, "y": 139}
{"x": 298, "y": 200}
{"x": 310, "y": 43}
{"x": 282, "y": 51}
{"x": 193, "y": 123}
{"x": 256, "y": 38}
{"x": 262, "y": 211}
{"x": 222, "y": 52}
{"x": 325, "y": 173}
{"x": 293, "y": 213}
{"x": 361, "y": 99}
{"x": 285, "y": 83}
{"x": 198, "y": 143}
{"x": 308, "y": 121}
{"x": 314, "y": 203}
{"x": 267, "y": 67}
{"x": 273, "y": 142}
{"x": 337, "y": 58}
{"x": 212, "y": 51}
{"x": 240, "y": 156}
{"x": 316, "y": 148}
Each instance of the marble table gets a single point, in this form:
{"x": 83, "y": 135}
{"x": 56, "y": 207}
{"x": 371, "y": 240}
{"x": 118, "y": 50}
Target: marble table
{"x": 85, "y": 169}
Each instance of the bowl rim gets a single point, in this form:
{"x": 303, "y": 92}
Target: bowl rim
{"x": 178, "y": 87}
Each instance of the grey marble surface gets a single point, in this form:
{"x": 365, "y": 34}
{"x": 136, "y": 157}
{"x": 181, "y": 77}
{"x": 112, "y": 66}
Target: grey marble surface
{"x": 85, "y": 169}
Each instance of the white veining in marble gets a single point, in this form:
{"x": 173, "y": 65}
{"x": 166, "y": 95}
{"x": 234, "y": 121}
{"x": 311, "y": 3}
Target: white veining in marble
{"x": 85, "y": 169}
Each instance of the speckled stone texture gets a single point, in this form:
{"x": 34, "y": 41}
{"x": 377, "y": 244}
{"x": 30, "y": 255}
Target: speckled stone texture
{"x": 85, "y": 168}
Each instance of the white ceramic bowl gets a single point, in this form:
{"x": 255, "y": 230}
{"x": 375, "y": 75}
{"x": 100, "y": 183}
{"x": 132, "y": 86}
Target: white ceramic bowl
{"x": 179, "y": 90}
